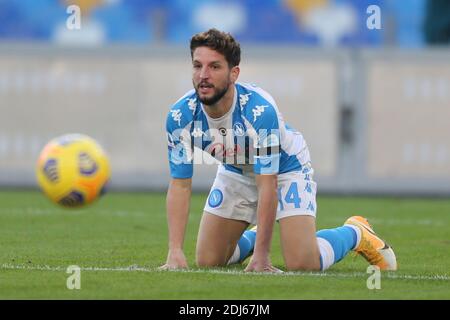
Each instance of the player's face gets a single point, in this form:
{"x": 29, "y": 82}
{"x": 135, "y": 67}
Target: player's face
{"x": 211, "y": 75}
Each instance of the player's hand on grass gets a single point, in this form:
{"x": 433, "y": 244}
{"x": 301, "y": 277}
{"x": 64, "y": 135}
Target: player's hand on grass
{"x": 261, "y": 265}
{"x": 175, "y": 260}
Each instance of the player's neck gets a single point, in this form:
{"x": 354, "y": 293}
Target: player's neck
{"x": 222, "y": 106}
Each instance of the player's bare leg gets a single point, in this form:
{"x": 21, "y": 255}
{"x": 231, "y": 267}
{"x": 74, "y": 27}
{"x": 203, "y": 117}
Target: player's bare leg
{"x": 299, "y": 243}
{"x": 217, "y": 239}
{"x": 306, "y": 250}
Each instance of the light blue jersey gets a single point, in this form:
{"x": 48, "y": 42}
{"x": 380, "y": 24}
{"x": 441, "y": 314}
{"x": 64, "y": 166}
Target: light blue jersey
{"x": 252, "y": 138}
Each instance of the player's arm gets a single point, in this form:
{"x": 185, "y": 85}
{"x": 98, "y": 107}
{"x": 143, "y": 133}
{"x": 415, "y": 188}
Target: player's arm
{"x": 266, "y": 168}
{"x": 266, "y": 211}
{"x": 179, "y": 192}
{"x": 177, "y": 202}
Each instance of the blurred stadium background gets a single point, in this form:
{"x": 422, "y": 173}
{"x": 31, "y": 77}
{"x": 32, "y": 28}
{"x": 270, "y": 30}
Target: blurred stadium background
{"x": 374, "y": 105}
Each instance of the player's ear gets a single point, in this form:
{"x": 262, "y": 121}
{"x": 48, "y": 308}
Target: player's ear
{"x": 234, "y": 73}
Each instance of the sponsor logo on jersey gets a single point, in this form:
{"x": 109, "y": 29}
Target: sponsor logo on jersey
{"x": 176, "y": 115}
{"x": 192, "y": 103}
{"x": 258, "y": 111}
{"x": 218, "y": 150}
{"x": 308, "y": 188}
{"x": 223, "y": 131}
{"x": 197, "y": 132}
{"x": 243, "y": 99}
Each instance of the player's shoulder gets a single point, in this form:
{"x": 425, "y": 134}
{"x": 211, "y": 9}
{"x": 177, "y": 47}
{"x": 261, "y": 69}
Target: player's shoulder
{"x": 182, "y": 112}
{"x": 187, "y": 102}
{"x": 256, "y": 103}
{"x": 251, "y": 95}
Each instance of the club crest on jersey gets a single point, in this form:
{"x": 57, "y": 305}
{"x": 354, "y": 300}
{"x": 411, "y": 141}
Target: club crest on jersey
{"x": 257, "y": 111}
{"x": 238, "y": 129}
{"x": 215, "y": 198}
{"x": 176, "y": 115}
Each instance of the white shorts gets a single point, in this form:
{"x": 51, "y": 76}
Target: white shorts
{"x": 235, "y": 196}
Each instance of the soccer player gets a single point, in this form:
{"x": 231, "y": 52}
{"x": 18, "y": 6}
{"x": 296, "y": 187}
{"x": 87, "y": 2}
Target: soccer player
{"x": 265, "y": 175}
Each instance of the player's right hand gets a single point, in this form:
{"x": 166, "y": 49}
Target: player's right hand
{"x": 175, "y": 260}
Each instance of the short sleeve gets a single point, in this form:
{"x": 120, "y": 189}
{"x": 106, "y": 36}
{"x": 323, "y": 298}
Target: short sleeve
{"x": 179, "y": 145}
{"x": 267, "y": 141}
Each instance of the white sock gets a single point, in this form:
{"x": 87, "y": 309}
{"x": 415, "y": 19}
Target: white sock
{"x": 326, "y": 253}
{"x": 358, "y": 233}
{"x": 235, "y": 256}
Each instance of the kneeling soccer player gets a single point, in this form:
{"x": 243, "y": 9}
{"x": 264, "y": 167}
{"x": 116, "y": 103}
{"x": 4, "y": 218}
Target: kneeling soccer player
{"x": 265, "y": 175}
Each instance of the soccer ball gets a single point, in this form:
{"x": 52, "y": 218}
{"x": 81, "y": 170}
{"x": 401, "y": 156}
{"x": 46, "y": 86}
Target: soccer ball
{"x": 73, "y": 170}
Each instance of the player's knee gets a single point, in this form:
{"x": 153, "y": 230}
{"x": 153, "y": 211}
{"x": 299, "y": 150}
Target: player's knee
{"x": 303, "y": 265}
{"x": 208, "y": 261}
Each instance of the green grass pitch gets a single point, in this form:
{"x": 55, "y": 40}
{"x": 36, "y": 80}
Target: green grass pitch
{"x": 120, "y": 241}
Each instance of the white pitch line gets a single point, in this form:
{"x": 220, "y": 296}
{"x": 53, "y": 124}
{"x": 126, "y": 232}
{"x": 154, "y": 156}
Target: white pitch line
{"x": 122, "y": 213}
{"x": 390, "y": 275}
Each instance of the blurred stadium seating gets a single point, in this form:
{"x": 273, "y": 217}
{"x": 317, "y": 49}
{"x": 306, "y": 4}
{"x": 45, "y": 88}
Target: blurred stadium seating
{"x": 299, "y": 22}
{"x": 372, "y": 104}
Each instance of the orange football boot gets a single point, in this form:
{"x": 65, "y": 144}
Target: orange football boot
{"x": 375, "y": 250}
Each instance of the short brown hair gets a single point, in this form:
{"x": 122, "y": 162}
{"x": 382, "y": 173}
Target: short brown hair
{"x": 219, "y": 41}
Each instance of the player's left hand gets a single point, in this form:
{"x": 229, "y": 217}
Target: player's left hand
{"x": 261, "y": 265}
